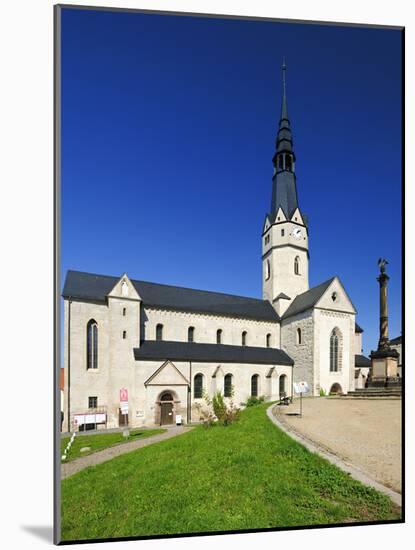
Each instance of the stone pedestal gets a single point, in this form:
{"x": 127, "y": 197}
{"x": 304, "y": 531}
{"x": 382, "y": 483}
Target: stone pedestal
{"x": 384, "y": 368}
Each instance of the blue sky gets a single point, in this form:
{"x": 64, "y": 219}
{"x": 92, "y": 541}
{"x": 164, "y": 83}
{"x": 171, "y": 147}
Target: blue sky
{"x": 168, "y": 133}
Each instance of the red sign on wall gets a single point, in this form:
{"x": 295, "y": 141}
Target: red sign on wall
{"x": 123, "y": 394}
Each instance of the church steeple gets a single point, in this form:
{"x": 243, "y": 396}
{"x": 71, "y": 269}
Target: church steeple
{"x": 285, "y": 232}
{"x": 284, "y": 189}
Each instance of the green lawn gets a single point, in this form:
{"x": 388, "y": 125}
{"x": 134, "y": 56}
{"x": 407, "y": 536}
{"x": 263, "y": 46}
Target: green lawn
{"x": 97, "y": 442}
{"x": 245, "y": 476}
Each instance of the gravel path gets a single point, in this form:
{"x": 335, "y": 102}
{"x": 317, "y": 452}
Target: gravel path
{"x": 366, "y": 433}
{"x": 75, "y": 466}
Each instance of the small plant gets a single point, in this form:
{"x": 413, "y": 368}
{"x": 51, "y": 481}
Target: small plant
{"x": 219, "y": 406}
{"x": 218, "y": 410}
{"x": 226, "y": 412}
{"x": 322, "y": 393}
{"x": 205, "y": 414}
{"x": 253, "y": 400}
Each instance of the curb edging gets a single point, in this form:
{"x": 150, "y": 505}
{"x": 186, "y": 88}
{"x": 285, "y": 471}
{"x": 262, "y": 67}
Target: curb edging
{"x": 353, "y": 471}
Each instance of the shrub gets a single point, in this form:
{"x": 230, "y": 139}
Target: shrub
{"x": 253, "y": 400}
{"x": 219, "y": 406}
{"x": 322, "y": 392}
{"x": 205, "y": 413}
{"x": 225, "y": 412}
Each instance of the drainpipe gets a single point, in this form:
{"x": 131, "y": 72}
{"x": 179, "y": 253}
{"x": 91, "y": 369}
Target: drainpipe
{"x": 69, "y": 365}
{"x": 292, "y": 382}
{"x": 189, "y": 395}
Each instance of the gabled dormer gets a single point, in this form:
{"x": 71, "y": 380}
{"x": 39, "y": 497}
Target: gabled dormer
{"x": 124, "y": 305}
{"x": 280, "y": 216}
{"x": 267, "y": 224}
{"x": 297, "y": 217}
{"x": 124, "y": 289}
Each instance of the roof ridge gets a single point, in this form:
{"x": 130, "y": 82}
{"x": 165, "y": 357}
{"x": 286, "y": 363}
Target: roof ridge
{"x": 168, "y": 285}
{"x": 314, "y": 287}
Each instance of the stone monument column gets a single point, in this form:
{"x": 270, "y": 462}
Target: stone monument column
{"x": 383, "y": 317}
{"x": 384, "y": 361}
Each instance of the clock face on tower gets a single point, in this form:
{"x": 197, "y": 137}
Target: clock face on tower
{"x": 297, "y": 233}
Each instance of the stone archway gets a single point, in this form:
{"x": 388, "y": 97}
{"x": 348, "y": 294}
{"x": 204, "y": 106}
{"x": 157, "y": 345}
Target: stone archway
{"x": 336, "y": 388}
{"x": 283, "y": 386}
{"x": 166, "y": 405}
{"x": 166, "y": 408}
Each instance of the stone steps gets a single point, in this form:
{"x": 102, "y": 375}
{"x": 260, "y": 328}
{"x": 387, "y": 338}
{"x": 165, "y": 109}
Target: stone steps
{"x": 376, "y": 392}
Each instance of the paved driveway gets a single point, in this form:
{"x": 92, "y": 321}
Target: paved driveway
{"x": 364, "y": 432}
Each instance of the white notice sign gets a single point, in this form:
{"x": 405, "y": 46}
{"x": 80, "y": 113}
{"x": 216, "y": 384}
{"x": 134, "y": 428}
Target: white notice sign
{"x": 301, "y": 387}
{"x": 178, "y": 419}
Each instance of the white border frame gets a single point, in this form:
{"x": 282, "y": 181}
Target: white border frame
{"x": 26, "y": 224}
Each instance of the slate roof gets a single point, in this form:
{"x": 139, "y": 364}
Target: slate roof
{"x": 150, "y": 350}
{"x": 284, "y": 193}
{"x": 282, "y": 295}
{"x": 357, "y": 328}
{"x": 307, "y": 299}
{"x": 396, "y": 341}
{"x": 89, "y": 286}
{"x": 361, "y": 361}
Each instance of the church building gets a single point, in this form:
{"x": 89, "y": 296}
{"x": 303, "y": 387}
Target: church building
{"x": 167, "y": 346}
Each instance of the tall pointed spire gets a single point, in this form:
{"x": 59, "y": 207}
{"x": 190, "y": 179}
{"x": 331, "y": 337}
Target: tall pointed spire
{"x": 284, "y": 138}
{"x": 284, "y": 110}
{"x": 284, "y": 191}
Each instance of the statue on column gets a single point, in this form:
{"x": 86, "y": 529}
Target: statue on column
{"x": 381, "y": 263}
{"x": 384, "y": 361}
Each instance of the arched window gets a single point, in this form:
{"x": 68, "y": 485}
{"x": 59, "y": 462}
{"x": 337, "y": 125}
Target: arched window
{"x": 335, "y": 350}
{"x": 92, "y": 344}
{"x": 244, "y": 335}
{"x": 190, "y": 334}
{"x": 254, "y": 385}
{"x": 124, "y": 334}
{"x": 297, "y": 265}
{"x": 280, "y": 162}
{"x": 159, "y": 332}
{"x": 198, "y": 386}
{"x": 288, "y": 162}
{"x": 268, "y": 340}
{"x": 299, "y": 336}
{"x": 227, "y": 386}
{"x": 267, "y": 270}
{"x": 219, "y": 336}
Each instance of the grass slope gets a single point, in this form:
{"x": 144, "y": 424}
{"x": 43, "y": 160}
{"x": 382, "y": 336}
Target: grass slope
{"x": 97, "y": 442}
{"x": 248, "y": 475}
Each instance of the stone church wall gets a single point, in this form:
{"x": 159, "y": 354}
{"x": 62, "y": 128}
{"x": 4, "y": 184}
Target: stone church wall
{"x": 176, "y": 324}
{"x": 326, "y": 321}
{"x": 116, "y": 364}
{"x": 118, "y": 369}
{"x": 302, "y": 354}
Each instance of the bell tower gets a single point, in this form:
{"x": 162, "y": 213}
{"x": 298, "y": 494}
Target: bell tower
{"x": 285, "y": 254}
